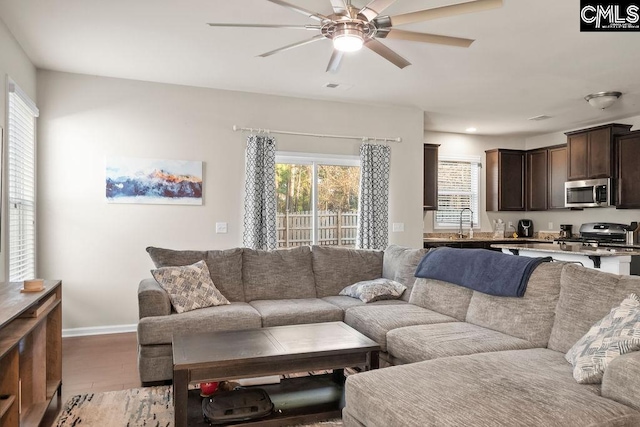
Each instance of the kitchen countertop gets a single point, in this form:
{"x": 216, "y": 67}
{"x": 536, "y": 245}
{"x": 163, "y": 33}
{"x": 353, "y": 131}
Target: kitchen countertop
{"x": 479, "y": 239}
{"x": 575, "y": 248}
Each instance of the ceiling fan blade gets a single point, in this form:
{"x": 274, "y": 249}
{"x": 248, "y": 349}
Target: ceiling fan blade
{"x": 427, "y": 38}
{"x": 375, "y": 8}
{"x": 387, "y": 53}
{"x": 334, "y": 62}
{"x": 445, "y": 11}
{"x": 289, "y": 27}
{"x": 305, "y": 12}
{"x": 339, "y": 6}
{"x": 293, "y": 45}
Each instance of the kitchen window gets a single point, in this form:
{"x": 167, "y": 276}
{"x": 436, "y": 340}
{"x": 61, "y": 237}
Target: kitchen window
{"x": 458, "y": 188}
{"x": 317, "y": 199}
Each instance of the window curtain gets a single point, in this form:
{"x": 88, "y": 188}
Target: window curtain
{"x": 260, "y": 226}
{"x": 373, "y": 212}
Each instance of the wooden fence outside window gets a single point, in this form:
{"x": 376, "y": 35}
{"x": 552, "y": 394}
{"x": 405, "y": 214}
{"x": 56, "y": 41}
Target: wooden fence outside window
{"x": 334, "y": 228}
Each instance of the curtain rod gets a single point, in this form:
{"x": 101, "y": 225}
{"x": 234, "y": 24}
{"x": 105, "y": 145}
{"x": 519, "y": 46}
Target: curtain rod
{"x": 317, "y": 135}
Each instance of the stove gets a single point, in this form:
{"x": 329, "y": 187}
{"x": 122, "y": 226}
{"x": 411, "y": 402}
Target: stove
{"x": 597, "y": 233}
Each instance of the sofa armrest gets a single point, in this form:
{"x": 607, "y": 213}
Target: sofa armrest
{"x": 620, "y": 381}
{"x": 152, "y": 299}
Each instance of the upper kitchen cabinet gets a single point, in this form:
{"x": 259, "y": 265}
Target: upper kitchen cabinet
{"x": 557, "y": 157}
{"x": 506, "y": 180}
{"x": 590, "y": 151}
{"x": 628, "y": 153}
{"x": 537, "y": 179}
{"x": 430, "y": 169}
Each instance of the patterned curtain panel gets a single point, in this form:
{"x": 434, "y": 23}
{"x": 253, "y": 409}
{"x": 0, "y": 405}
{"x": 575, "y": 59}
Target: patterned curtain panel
{"x": 260, "y": 226}
{"x": 373, "y": 212}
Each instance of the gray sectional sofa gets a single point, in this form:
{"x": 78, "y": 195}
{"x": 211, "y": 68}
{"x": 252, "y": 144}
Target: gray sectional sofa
{"x": 451, "y": 356}
{"x": 265, "y": 288}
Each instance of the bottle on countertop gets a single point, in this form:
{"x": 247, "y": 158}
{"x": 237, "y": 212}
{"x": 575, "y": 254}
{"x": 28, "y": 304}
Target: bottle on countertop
{"x": 498, "y": 229}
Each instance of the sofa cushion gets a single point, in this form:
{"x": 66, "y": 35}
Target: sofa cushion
{"x": 225, "y": 267}
{"x": 283, "y": 273}
{"x": 235, "y": 316}
{"x": 189, "y": 287}
{"x": 586, "y": 296}
{"x": 530, "y": 317}
{"x": 296, "y": 311}
{"x": 442, "y": 297}
{"x": 374, "y": 290}
{"x": 620, "y": 381}
{"x": 616, "y": 334}
{"x": 399, "y": 263}
{"x": 336, "y": 267}
{"x": 424, "y": 342}
{"x": 347, "y": 302}
{"x": 375, "y": 321}
{"x": 507, "y": 388}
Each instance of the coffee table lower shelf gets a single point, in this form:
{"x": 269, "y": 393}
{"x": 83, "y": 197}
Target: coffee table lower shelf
{"x": 296, "y": 400}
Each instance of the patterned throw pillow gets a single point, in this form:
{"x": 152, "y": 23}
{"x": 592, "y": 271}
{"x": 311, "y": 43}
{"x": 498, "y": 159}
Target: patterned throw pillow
{"x": 616, "y": 334}
{"x": 374, "y": 290}
{"x": 189, "y": 287}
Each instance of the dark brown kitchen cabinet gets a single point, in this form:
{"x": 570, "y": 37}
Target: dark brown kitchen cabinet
{"x": 430, "y": 169}
{"x": 628, "y": 182}
{"x": 506, "y": 180}
{"x": 557, "y": 167}
{"x": 537, "y": 180}
{"x": 590, "y": 151}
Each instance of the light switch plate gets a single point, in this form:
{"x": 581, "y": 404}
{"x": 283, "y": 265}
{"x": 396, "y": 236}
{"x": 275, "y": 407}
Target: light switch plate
{"x": 398, "y": 227}
{"x": 221, "y": 227}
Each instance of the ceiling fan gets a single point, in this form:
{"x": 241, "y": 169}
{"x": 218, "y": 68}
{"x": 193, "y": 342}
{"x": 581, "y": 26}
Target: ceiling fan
{"x": 351, "y": 28}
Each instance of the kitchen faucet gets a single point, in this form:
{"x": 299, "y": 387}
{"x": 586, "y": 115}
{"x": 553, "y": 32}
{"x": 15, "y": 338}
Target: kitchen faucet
{"x": 460, "y": 233}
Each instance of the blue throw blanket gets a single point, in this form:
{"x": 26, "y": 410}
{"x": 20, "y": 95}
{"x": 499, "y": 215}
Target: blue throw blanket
{"x": 482, "y": 270}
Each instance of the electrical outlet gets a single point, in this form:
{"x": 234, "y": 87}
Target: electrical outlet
{"x": 510, "y": 224}
{"x": 398, "y": 227}
{"x": 550, "y": 226}
{"x": 221, "y": 227}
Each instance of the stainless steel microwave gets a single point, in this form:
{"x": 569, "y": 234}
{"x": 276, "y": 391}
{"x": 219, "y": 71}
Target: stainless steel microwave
{"x": 590, "y": 193}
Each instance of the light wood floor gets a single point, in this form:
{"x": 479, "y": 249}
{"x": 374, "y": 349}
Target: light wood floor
{"x": 95, "y": 364}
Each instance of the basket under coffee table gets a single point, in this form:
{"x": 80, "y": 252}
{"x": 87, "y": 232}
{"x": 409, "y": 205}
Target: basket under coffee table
{"x": 218, "y": 356}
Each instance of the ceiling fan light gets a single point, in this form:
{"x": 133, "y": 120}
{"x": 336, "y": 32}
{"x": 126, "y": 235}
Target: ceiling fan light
{"x": 348, "y": 42}
{"x": 602, "y": 100}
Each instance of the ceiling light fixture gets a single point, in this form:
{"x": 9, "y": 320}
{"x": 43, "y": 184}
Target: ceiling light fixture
{"x": 602, "y": 100}
{"x": 348, "y": 37}
{"x": 471, "y": 130}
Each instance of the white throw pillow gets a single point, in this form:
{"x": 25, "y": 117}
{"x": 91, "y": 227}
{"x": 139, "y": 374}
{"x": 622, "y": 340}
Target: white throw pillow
{"x": 374, "y": 290}
{"x": 189, "y": 287}
{"x": 616, "y": 334}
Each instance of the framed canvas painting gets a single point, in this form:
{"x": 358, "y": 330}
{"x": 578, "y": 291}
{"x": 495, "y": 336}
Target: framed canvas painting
{"x": 153, "y": 181}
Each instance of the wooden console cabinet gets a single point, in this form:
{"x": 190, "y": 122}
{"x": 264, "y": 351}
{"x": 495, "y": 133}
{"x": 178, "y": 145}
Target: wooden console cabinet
{"x": 30, "y": 352}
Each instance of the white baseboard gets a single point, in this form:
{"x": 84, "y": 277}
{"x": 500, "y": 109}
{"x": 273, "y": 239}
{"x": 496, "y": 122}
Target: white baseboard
{"x": 98, "y": 330}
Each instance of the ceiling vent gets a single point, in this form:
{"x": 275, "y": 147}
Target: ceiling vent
{"x": 338, "y": 86}
{"x": 539, "y": 118}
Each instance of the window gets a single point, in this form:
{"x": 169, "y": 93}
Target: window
{"x": 21, "y": 131}
{"x": 458, "y": 188}
{"x": 317, "y": 199}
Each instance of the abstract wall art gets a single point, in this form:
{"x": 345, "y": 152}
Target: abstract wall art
{"x": 153, "y": 181}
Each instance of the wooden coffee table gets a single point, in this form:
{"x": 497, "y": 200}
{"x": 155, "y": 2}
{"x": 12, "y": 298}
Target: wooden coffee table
{"x": 218, "y": 356}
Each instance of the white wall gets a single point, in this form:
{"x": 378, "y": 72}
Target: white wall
{"x": 98, "y": 249}
{"x": 14, "y": 63}
{"x": 470, "y": 145}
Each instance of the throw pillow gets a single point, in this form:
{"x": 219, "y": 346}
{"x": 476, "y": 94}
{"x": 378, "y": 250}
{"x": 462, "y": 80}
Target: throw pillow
{"x": 374, "y": 290}
{"x": 189, "y": 287}
{"x": 616, "y": 334}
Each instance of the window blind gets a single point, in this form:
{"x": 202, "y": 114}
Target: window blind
{"x": 458, "y": 188}
{"x": 21, "y": 131}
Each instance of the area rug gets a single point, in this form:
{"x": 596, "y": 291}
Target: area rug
{"x": 138, "y": 407}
